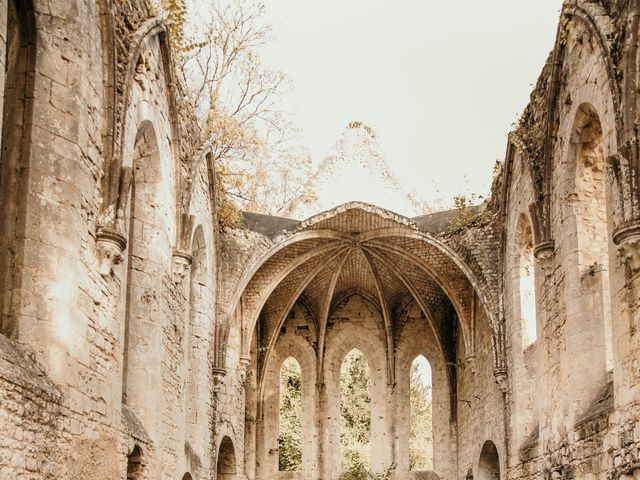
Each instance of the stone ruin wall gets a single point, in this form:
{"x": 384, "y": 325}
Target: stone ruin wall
{"x": 63, "y": 336}
{"x": 571, "y": 415}
{"x": 62, "y": 348}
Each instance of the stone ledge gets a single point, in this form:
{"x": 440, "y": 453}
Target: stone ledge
{"x": 17, "y": 368}
{"x": 596, "y": 418}
{"x": 133, "y": 426}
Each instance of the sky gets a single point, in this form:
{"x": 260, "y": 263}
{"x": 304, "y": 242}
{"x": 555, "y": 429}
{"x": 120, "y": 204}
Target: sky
{"x": 441, "y": 82}
{"x": 424, "y": 369}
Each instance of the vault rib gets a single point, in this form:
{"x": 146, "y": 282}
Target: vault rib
{"x": 414, "y": 292}
{"x": 292, "y": 300}
{"x": 324, "y": 313}
{"x": 462, "y": 306}
{"x": 386, "y": 318}
{"x": 274, "y": 282}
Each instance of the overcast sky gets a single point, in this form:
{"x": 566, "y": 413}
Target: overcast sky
{"x": 441, "y": 82}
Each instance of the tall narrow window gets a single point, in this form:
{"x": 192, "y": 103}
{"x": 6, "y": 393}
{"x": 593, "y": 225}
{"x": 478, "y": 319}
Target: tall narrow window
{"x": 290, "y": 434}
{"x": 420, "y": 398}
{"x": 355, "y": 415}
{"x": 527, "y": 282}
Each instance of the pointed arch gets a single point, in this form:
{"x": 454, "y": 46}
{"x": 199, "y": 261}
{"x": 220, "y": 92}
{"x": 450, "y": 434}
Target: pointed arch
{"x": 115, "y": 171}
{"x": 526, "y": 281}
{"x": 355, "y": 412}
{"x": 421, "y": 415}
{"x": 226, "y": 465}
{"x": 135, "y": 464}
{"x": 148, "y": 259}
{"x": 489, "y": 462}
{"x": 290, "y": 438}
{"x": 18, "y": 66}
{"x": 196, "y": 341}
{"x": 589, "y": 218}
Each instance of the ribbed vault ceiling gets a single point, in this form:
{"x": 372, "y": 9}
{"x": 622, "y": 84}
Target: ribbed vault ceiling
{"x": 360, "y": 250}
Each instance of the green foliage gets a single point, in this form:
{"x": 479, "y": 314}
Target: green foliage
{"x": 176, "y": 13}
{"x": 290, "y": 437}
{"x": 260, "y": 162}
{"x": 355, "y": 415}
{"x": 463, "y": 213}
{"x": 386, "y": 474}
{"x": 353, "y": 467}
{"x": 355, "y": 420}
{"x": 421, "y": 434}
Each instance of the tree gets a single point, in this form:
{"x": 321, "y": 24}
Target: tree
{"x": 421, "y": 434}
{"x": 290, "y": 435}
{"x": 261, "y": 164}
{"x": 355, "y": 416}
{"x": 355, "y": 419}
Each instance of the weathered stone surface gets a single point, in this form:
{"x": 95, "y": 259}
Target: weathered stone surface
{"x": 139, "y": 341}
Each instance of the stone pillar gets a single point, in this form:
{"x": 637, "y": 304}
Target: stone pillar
{"x": 392, "y": 423}
{"x": 381, "y": 421}
{"x": 250, "y": 423}
{"x": 3, "y": 54}
{"x": 321, "y": 438}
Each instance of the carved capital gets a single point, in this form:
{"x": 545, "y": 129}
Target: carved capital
{"x": 471, "y": 362}
{"x": 110, "y": 246}
{"x": 181, "y": 263}
{"x": 501, "y": 379}
{"x": 628, "y": 241}
{"x": 544, "y": 253}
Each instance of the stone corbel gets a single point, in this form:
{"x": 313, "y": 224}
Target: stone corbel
{"x": 218, "y": 375}
{"x": 471, "y": 362}
{"x": 501, "y": 379}
{"x": 544, "y": 253}
{"x": 110, "y": 246}
{"x": 628, "y": 241}
{"x": 243, "y": 366}
{"x": 181, "y": 262}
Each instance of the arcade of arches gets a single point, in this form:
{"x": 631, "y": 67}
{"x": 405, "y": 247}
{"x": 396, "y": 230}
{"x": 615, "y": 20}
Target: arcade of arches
{"x": 139, "y": 340}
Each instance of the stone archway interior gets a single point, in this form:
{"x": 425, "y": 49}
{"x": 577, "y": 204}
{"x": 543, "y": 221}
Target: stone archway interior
{"x": 227, "y": 469}
{"x": 135, "y": 464}
{"x": 489, "y": 465}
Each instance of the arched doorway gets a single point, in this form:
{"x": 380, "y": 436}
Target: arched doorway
{"x": 489, "y": 464}
{"x": 226, "y": 469}
{"x": 135, "y": 464}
